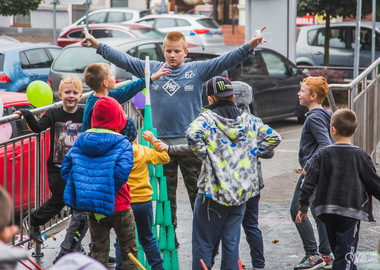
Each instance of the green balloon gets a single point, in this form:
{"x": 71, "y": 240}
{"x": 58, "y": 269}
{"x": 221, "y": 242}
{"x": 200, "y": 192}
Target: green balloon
{"x": 39, "y": 94}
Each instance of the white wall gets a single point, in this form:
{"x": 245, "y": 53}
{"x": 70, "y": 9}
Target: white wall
{"x": 280, "y": 18}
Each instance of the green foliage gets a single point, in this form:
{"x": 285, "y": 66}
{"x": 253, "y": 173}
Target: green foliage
{"x": 18, "y": 7}
{"x": 344, "y": 8}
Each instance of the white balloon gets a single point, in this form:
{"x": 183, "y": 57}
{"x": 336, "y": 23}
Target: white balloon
{"x": 1, "y": 108}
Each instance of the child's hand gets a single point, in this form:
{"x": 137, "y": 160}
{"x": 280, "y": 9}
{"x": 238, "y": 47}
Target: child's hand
{"x": 161, "y": 146}
{"x": 257, "y": 39}
{"x": 94, "y": 42}
{"x": 161, "y": 72}
{"x": 148, "y": 136}
{"x": 19, "y": 113}
{"x": 300, "y": 216}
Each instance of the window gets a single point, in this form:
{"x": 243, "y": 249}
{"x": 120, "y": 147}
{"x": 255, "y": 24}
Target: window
{"x": 20, "y": 20}
{"x": 119, "y": 3}
{"x": 365, "y": 39}
{"x": 275, "y": 64}
{"x": 118, "y": 17}
{"x": 78, "y": 12}
{"x": 311, "y": 36}
{"x": 36, "y": 58}
{"x": 165, "y": 23}
{"x": 77, "y": 34}
{"x": 183, "y": 23}
{"x": 148, "y": 22}
{"x": 147, "y": 50}
{"x": 337, "y": 37}
{"x": 100, "y": 33}
{"x": 252, "y": 66}
{"x": 209, "y": 23}
{"x": 1, "y": 62}
{"x": 99, "y": 17}
{"x": 119, "y": 34}
{"x": 53, "y": 52}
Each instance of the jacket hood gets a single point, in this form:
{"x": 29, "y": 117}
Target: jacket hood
{"x": 108, "y": 114}
{"x": 326, "y": 114}
{"x": 234, "y": 129}
{"x": 97, "y": 142}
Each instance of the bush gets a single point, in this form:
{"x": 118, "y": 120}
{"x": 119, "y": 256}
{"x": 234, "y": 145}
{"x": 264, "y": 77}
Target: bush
{"x": 331, "y": 75}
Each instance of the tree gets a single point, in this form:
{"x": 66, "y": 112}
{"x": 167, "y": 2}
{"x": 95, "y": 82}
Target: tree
{"x": 330, "y": 9}
{"x": 18, "y": 7}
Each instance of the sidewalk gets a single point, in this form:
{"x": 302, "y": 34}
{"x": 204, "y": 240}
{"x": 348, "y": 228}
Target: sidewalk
{"x": 282, "y": 244}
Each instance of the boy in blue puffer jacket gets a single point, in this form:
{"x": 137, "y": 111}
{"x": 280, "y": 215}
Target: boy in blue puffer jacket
{"x": 96, "y": 170}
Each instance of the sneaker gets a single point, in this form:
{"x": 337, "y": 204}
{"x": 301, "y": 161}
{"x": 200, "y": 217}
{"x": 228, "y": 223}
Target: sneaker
{"x": 35, "y": 234}
{"x": 328, "y": 259}
{"x": 111, "y": 260}
{"x": 310, "y": 262}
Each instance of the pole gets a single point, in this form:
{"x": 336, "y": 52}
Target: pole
{"x": 357, "y": 40}
{"x": 373, "y": 30}
{"x": 88, "y": 2}
{"x": 54, "y": 22}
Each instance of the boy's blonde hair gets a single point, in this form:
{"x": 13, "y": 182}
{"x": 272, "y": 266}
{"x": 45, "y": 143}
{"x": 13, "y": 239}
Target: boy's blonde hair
{"x": 95, "y": 74}
{"x": 344, "y": 121}
{"x": 76, "y": 82}
{"x": 176, "y": 37}
{"x": 317, "y": 85}
{"x": 5, "y": 209}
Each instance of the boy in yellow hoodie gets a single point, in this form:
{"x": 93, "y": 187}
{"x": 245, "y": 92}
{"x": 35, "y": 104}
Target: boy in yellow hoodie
{"x": 141, "y": 193}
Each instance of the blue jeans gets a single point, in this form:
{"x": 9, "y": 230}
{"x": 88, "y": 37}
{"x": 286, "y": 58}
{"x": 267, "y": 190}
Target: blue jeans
{"x": 305, "y": 229}
{"x": 211, "y": 222}
{"x": 253, "y": 233}
{"x": 143, "y": 213}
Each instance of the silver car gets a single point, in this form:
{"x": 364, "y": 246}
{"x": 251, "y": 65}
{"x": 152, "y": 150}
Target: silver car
{"x": 110, "y": 15}
{"x": 311, "y": 41}
{"x": 198, "y": 30}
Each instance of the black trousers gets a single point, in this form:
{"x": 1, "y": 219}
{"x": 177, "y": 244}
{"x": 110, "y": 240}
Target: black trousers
{"x": 54, "y": 204}
{"x": 343, "y": 233}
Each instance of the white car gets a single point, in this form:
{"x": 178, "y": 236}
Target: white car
{"x": 110, "y": 15}
{"x": 198, "y": 30}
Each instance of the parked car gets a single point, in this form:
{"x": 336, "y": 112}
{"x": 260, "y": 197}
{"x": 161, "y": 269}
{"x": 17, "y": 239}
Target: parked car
{"x": 311, "y": 41}
{"x": 21, "y": 166}
{"x": 111, "y": 15}
{"x": 74, "y": 59}
{"x": 199, "y": 30}
{"x": 20, "y": 64}
{"x": 75, "y": 33}
{"x": 7, "y": 39}
{"x": 275, "y": 81}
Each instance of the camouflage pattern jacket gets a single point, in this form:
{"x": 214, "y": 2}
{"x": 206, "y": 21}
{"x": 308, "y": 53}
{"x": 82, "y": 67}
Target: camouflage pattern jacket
{"x": 229, "y": 149}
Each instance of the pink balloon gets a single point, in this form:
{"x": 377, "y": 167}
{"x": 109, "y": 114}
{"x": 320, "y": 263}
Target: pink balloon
{"x": 5, "y": 132}
{"x": 139, "y": 100}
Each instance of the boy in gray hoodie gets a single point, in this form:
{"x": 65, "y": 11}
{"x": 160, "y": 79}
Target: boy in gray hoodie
{"x": 229, "y": 142}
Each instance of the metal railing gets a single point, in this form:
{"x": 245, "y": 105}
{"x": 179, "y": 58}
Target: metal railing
{"x": 25, "y": 176}
{"x": 364, "y": 99}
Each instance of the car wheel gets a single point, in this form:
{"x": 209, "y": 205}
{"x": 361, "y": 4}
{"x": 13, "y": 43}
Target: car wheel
{"x": 302, "y": 110}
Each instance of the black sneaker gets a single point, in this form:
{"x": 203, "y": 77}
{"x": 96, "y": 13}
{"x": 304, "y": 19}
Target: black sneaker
{"x": 111, "y": 260}
{"x": 35, "y": 234}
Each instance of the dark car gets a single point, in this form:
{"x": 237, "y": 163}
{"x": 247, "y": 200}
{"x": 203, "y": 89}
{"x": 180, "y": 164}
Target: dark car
{"x": 274, "y": 79}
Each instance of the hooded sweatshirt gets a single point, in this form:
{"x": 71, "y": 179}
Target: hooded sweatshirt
{"x": 315, "y": 135}
{"x": 97, "y": 167}
{"x": 9, "y": 256}
{"x": 141, "y": 190}
{"x": 229, "y": 142}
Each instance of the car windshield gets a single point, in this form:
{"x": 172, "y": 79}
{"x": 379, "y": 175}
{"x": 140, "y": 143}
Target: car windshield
{"x": 76, "y": 59}
{"x": 148, "y": 33}
{"x": 209, "y": 23}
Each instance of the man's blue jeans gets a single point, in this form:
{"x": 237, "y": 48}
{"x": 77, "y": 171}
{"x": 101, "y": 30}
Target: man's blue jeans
{"x": 253, "y": 233}
{"x": 211, "y": 222}
{"x": 143, "y": 213}
{"x": 305, "y": 229}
